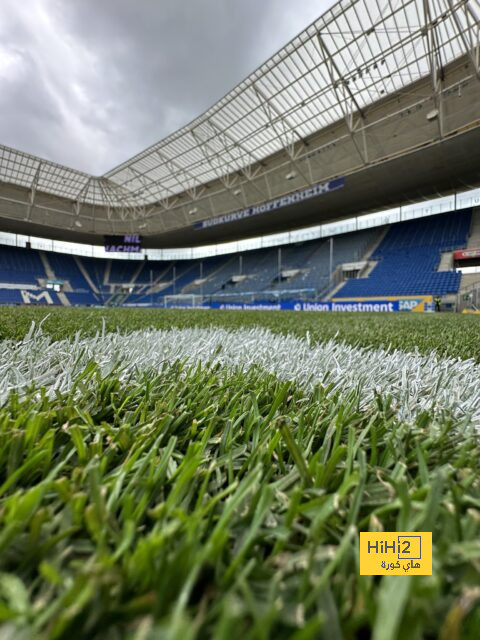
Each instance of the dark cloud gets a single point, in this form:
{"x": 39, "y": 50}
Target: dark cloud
{"x": 92, "y": 82}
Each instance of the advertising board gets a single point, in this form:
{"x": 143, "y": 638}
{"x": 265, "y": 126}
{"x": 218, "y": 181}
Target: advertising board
{"x": 387, "y": 304}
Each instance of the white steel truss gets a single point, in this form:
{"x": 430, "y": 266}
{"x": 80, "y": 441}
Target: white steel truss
{"x": 356, "y": 53}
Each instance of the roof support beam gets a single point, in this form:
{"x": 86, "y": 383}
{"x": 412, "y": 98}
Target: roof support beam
{"x": 228, "y": 179}
{"x": 212, "y": 156}
{"x": 334, "y": 73}
{"x": 435, "y": 63}
{"x": 147, "y": 184}
{"x": 275, "y": 117}
{"x": 337, "y": 80}
{"x": 106, "y": 195}
{"x": 472, "y": 48}
{"x": 77, "y": 206}
{"x": 175, "y": 169}
{"x": 248, "y": 170}
{"x": 112, "y": 202}
{"x": 239, "y": 147}
{"x": 118, "y": 201}
{"x": 33, "y": 190}
{"x": 286, "y": 134}
{"x": 122, "y": 195}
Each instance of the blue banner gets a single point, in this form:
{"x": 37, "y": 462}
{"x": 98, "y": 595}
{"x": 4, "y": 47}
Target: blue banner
{"x": 356, "y": 305}
{"x": 300, "y": 305}
{"x": 292, "y": 198}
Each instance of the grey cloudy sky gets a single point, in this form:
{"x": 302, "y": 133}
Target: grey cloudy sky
{"x": 89, "y": 83}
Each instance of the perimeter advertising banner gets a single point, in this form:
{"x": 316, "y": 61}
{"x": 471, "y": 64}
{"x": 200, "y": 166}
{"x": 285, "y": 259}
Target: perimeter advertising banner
{"x": 416, "y": 304}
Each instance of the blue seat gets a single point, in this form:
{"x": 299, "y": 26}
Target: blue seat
{"x": 408, "y": 258}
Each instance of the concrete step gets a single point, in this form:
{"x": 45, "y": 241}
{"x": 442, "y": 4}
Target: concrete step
{"x": 159, "y": 283}
{"x": 371, "y": 264}
{"x": 191, "y": 288}
{"x": 63, "y": 299}
{"x": 85, "y": 274}
{"x": 369, "y": 268}
{"x": 137, "y": 272}
{"x": 474, "y": 237}
{"x": 334, "y": 290}
{"x": 106, "y": 275}
{"x": 446, "y": 261}
{"x": 46, "y": 265}
{"x": 376, "y": 242}
{"x": 474, "y": 242}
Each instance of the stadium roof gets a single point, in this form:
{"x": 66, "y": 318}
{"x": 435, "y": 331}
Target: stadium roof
{"x": 357, "y": 53}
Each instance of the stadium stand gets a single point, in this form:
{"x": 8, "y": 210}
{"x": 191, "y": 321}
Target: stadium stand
{"x": 304, "y": 266}
{"x": 124, "y": 271}
{"x": 10, "y": 296}
{"x": 83, "y": 298}
{"x": 315, "y": 265}
{"x": 96, "y": 270}
{"x": 408, "y": 258}
{"x": 20, "y": 265}
{"x": 152, "y": 271}
{"x": 406, "y": 262}
{"x": 65, "y": 268}
{"x": 256, "y": 272}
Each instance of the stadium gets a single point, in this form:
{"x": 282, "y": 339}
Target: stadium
{"x": 230, "y": 357}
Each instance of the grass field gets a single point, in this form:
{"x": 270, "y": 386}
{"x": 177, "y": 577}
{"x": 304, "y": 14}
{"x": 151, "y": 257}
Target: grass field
{"x": 169, "y": 474}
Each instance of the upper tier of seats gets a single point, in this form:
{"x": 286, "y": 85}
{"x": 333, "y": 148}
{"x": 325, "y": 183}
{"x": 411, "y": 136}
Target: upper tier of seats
{"x": 408, "y": 258}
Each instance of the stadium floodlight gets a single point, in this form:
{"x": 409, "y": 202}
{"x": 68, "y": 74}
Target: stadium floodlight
{"x": 193, "y": 211}
{"x": 291, "y": 175}
{"x": 432, "y": 115}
